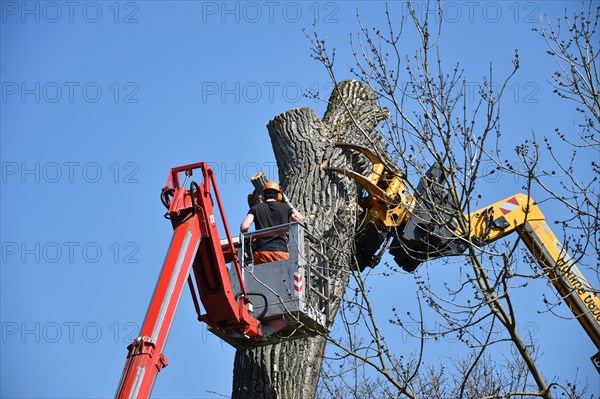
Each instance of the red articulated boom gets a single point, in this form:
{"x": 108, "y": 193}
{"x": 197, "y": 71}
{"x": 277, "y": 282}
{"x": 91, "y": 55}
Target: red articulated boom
{"x": 284, "y": 312}
{"x": 196, "y": 245}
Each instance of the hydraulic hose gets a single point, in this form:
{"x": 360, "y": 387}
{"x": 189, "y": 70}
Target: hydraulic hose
{"x": 264, "y": 297}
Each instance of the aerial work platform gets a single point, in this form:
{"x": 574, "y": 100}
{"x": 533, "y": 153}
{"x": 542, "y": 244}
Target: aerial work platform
{"x": 289, "y": 297}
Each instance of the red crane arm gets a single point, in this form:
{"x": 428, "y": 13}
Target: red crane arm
{"x": 195, "y": 244}
{"x": 145, "y": 358}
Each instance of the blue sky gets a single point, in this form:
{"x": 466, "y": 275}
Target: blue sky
{"x": 101, "y": 99}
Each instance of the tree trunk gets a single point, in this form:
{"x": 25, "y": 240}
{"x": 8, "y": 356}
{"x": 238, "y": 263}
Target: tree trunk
{"x": 303, "y": 144}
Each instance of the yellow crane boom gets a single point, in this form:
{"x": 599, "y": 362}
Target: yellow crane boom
{"x": 520, "y": 214}
{"x": 423, "y": 225}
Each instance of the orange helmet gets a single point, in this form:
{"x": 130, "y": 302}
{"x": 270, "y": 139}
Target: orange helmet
{"x": 272, "y": 185}
{"x": 270, "y": 188}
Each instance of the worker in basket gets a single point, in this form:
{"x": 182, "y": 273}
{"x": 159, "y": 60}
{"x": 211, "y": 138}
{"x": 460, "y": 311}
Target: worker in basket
{"x": 272, "y": 211}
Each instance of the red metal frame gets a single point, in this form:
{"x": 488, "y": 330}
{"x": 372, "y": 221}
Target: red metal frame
{"x": 195, "y": 244}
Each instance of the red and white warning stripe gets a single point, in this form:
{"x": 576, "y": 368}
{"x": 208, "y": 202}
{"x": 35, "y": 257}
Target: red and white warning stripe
{"x": 298, "y": 284}
{"x": 509, "y": 206}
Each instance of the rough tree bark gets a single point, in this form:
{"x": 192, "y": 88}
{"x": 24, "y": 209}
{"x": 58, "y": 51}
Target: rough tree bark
{"x": 302, "y": 144}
